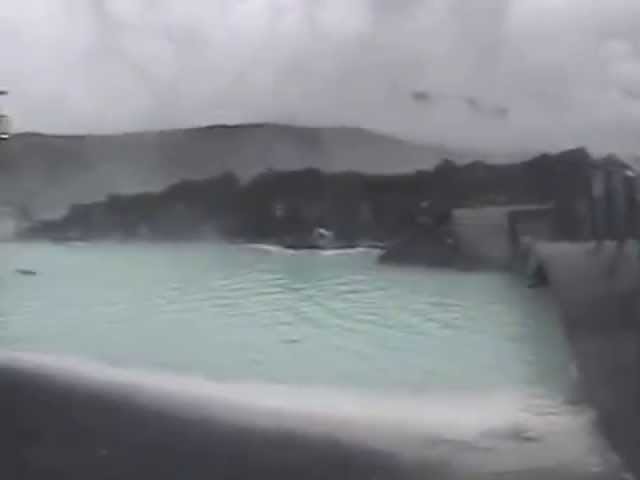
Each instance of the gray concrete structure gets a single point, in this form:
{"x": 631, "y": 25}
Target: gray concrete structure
{"x": 598, "y": 291}
{"x": 491, "y": 236}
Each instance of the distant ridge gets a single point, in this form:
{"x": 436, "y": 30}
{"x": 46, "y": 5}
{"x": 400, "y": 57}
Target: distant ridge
{"x": 47, "y": 172}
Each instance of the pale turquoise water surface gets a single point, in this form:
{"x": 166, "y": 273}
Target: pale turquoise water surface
{"x": 256, "y": 314}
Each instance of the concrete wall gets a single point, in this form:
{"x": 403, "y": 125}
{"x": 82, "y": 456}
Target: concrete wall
{"x": 598, "y": 291}
{"x": 484, "y": 233}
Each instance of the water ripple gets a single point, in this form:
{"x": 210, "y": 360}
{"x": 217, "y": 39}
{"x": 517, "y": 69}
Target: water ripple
{"x": 236, "y": 312}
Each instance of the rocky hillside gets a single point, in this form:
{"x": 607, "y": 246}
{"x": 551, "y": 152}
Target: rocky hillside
{"x": 48, "y": 173}
{"x": 286, "y": 206}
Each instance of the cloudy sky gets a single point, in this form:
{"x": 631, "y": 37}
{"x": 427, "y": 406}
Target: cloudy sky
{"x": 492, "y": 74}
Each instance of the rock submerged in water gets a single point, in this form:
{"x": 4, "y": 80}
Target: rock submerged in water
{"x": 422, "y": 250}
{"x": 26, "y": 272}
{"x": 431, "y": 244}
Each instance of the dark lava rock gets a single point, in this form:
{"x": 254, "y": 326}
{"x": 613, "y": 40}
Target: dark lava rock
{"x": 287, "y": 207}
{"x": 414, "y": 251}
{"x": 435, "y": 247}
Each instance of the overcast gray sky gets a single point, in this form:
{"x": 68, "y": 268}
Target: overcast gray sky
{"x": 491, "y": 74}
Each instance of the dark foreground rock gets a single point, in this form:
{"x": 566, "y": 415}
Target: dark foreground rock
{"x": 65, "y": 419}
{"x": 59, "y": 427}
{"x": 431, "y": 246}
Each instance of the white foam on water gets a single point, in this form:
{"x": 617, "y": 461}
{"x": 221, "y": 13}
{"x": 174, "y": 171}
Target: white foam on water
{"x": 270, "y": 248}
{"x": 328, "y": 252}
{"x": 349, "y": 251}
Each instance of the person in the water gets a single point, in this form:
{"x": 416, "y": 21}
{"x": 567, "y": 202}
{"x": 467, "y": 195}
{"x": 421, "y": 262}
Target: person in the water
{"x": 538, "y": 276}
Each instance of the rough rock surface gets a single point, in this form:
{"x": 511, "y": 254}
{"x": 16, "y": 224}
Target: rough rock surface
{"x": 285, "y": 207}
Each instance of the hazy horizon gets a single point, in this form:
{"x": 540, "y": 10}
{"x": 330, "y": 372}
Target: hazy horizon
{"x": 500, "y": 75}
{"x": 463, "y": 152}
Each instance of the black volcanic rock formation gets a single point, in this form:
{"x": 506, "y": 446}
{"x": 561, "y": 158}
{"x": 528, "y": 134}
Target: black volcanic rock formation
{"x": 285, "y": 207}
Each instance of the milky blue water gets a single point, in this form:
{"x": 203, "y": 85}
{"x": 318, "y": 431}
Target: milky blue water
{"x": 250, "y": 313}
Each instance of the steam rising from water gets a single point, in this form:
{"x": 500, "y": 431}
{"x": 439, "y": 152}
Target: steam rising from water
{"x": 498, "y": 74}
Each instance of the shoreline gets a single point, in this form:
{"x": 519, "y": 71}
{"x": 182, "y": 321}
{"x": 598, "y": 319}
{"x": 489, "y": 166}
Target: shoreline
{"x": 602, "y": 344}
